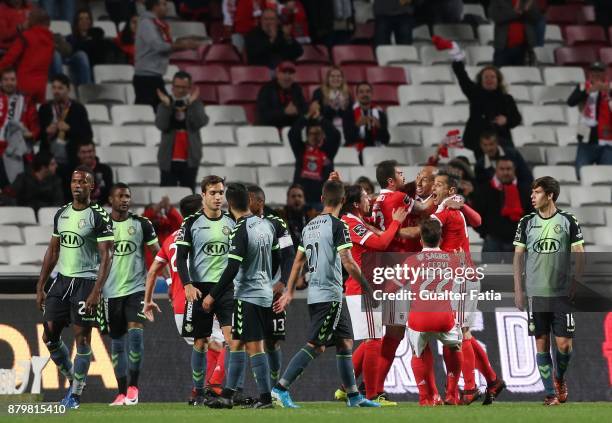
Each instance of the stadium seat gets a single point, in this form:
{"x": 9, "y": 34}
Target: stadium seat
{"x": 109, "y": 28}
{"x": 314, "y": 54}
{"x": 553, "y": 35}
{"x": 566, "y": 135}
{"x": 353, "y": 74}
{"x": 479, "y": 55}
{"x": 113, "y": 156}
{"x": 37, "y": 235}
{"x": 275, "y": 176}
{"x": 250, "y": 75}
{"x": 136, "y": 114}
{"x": 409, "y": 115}
{"x": 404, "y": 135}
{"x": 563, "y": 14}
{"x": 146, "y": 175}
{"x": 241, "y": 156}
{"x": 453, "y": 95}
{"x": 430, "y": 55}
{"x": 97, "y": 113}
{"x": 561, "y": 155}
{"x": 564, "y": 198}
{"x": 589, "y": 216}
{"x": 461, "y": 33}
{"x": 545, "y": 55}
{"x": 46, "y": 215}
{"x": 257, "y": 136}
{"x": 282, "y": 157}
{"x": 20, "y": 216}
{"x": 603, "y": 236}
{"x": 347, "y": 156}
{"x": 533, "y": 135}
{"x": 420, "y": 94}
{"x": 141, "y": 196}
{"x": 212, "y": 156}
{"x": 238, "y": 94}
{"x": 143, "y": 156}
{"x": 102, "y": 94}
{"x": 543, "y": 115}
{"x": 152, "y": 135}
{"x": 104, "y": 74}
{"x": 410, "y": 172}
{"x": 385, "y": 95}
{"x": 432, "y": 137}
{"x": 605, "y": 56}
{"x": 546, "y": 95}
{"x": 353, "y": 54}
{"x": 109, "y": 136}
{"x": 565, "y": 75}
{"x": 276, "y": 196}
{"x": 61, "y": 27}
{"x": 534, "y": 156}
{"x": 421, "y": 34}
{"x": 566, "y": 175}
{"x": 26, "y": 254}
{"x": 175, "y": 194}
{"x": 450, "y": 115}
{"x": 208, "y": 94}
{"x": 218, "y": 135}
{"x": 186, "y": 58}
{"x": 359, "y": 171}
{"x": 585, "y": 34}
{"x": 436, "y": 75}
{"x": 184, "y": 29}
{"x": 522, "y": 75}
{"x": 363, "y": 33}
{"x": 421, "y": 155}
{"x": 575, "y": 56}
{"x": 208, "y": 74}
{"x": 374, "y": 155}
{"x": 590, "y": 197}
{"x": 11, "y": 235}
{"x": 170, "y": 71}
{"x": 520, "y": 94}
{"x": 388, "y": 75}
{"x": 453, "y": 153}
{"x": 363, "y": 11}
{"x": 245, "y": 175}
{"x": 485, "y": 34}
{"x": 474, "y": 9}
{"x": 397, "y": 55}
{"x": 308, "y": 75}
{"x": 221, "y": 54}
{"x": 596, "y": 175}
{"x": 226, "y": 115}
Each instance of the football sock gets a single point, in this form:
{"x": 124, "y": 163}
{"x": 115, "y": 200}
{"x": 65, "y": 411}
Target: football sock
{"x": 453, "y": 361}
{"x": 240, "y": 384}
{"x": 226, "y": 359}
{"x": 119, "y": 359}
{"x": 482, "y": 362}
{"x": 544, "y": 361}
{"x": 344, "y": 363}
{"x": 235, "y": 371}
{"x": 296, "y": 366}
{"x": 275, "y": 360}
{"x": 81, "y": 367}
{"x": 385, "y": 361}
{"x": 358, "y": 358}
{"x": 431, "y": 375}
{"x": 370, "y": 366}
{"x": 61, "y": 357}
{"x": 261, "y": 372}
{"x": 562, "y": 360}
{"x": 216, "y": 379}
{"x": 211, "y": 362}
{"x": 136, "y": 344}
{"x": 198, "y": 368}
{"x": 419, "y": 369}
{"x": 468, "y": 365}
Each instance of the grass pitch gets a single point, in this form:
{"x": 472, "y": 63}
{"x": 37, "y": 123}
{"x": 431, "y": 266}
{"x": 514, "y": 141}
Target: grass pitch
{"x": 333, "y": 412}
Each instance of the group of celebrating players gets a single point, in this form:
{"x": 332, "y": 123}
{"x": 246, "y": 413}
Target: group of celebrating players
{"x": 232, "y": 275}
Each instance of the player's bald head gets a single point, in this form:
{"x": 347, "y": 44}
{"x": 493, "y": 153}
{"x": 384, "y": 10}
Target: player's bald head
{"x": 429, "y": 171}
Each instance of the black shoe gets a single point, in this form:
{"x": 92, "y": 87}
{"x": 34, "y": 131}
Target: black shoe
{"x": 221, "y": 402}
{"x": 362, "y": 388}
{"x": 209, "y": 396}
{"x": 384, "y": 396}
{"x": 260, "y": 405}
{"x": 241, "y": 399}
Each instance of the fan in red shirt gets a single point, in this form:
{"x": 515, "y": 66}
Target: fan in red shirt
{"x": 455, "y": 240}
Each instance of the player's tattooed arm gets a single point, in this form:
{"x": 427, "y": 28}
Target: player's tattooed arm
{"x": 49, "y": 262}
{"x": 518, "y": 266}
{"x": 105, "y": 249}
{"x": 296, "y": 272}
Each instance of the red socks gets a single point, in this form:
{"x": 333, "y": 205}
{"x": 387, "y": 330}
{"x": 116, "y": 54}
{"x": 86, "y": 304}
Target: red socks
{"x": 482, "y": 361}
{"x": 419, "y": 368}
{"x": 453, "y": 360}
{"x": 358, "y": 355}
{"x": 370, "y": 366}
{"x": 211, "y": 360}
{"x": 431, "y": 375}
{"x": 387, "y": 355}
{"x": 467, "y": 368}
{"x": 219, "y": 369}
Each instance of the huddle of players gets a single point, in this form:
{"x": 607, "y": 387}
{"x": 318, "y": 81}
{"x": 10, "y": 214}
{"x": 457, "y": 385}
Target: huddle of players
{"x": 82, "y": 247}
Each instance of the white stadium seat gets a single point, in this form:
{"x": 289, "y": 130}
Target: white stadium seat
{"x": 137, "y": 114}
{"x": 257, "y": 136}
{"x": 534, "y": 155}
{"x": 226, "y": 115}
{"x": 543, "y": 115}
{"x": 374, "y": 155}
{"x": 409, "y": 115}
{"x": 564, "y": 174}
{"x": 419, "y": 94}
{"x": 590, "y": 197}
{"x": 430, "y": 55}
{"x": 275, "y": 176}
{"x": 363, "y": 12}
{"x": 459, "y": 32}
{"x": 37, "y": 235}
{"x": 421, "y": 34}
{"x": 276, "y": 196}
{"x": 212, "y": 157}
{"x": 282, "y": 157}
{"x": 252, "y": 156}
{"x": 545, "y": 55}
{"x": 431, "y": 75}
{"x": 561, "y": 155}
{"x": 10, "y": 235}
{"x": 453, "y": 95}
{"x": 4, "y": 259}
{"x": 404, "y": 135}
{"x": 485, "y": 34}
{"x": 113, "y": 156}
{"x": 113, "y": 73}
{"x": 109, "y": 28}
{"x": 102, "y": 94}
{"x": 553, "y": 35}
{"x": 589, "y": 216}
{"x": 603, "y": 236}
{"x": 20, "y": 216}
{"x": 109, "y": 136}
{"x": 146, "y": 175}
{"x": 397, "y": 55}
{"x": 346, "y": 156}
{"x": 245, "y": 175}
{"x": 175, "y": 194}
{"x": 450, "y": 115}
{"x": 141, "y": 196}
{"x": 433, "y": 136}
{"x": 218, "y": 135}
{"x": 46, "y": 215}
{"x": 143, "y": 156}
{"x": 172, "y": 69}
{"x": 26, "y": 254}
{"x": 596, "y": 175}
{"x": 367, "y": 171}
{"x": 152, "y": 135}
{"x": 520, "y": 93}
{"x": 182, "y": 29}
{"x": 563, "y": 75}
{"x": 522, "y": 75}
{"x": 479, "y": 55}
{"x": 410, "y": 172}
{"x": 97, "y": 113}
{"x": 566, "y": 135}
{"x": 551, "y": 95}
{"x": 61, "y": 27}
{"x": 421, "y": 155}
{"x": 453, "y": 153}
{"x": 533, "y": 135}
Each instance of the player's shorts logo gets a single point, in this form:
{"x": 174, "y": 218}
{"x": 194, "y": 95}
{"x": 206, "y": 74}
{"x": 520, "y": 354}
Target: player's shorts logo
{"x": 70, "y": 239}
{"x": 124, "y": 248}
{"x": 546, "y": 246}
{"x": 215, "y": 248}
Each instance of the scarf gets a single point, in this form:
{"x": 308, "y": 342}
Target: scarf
{"x": 598, "y": 115}
{"x": 164, "y": 30}
{"x": 366, "y": 133}
{"x": 336, "y": 99}
{"x": 512, "y": 208}
{"x": 11, "y": 109}
{"x": 313, "y": 163}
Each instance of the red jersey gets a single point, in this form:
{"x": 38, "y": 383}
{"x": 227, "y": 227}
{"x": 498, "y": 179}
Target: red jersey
{"x": 427, "y": 314}
{"x": 382, "y": 212}
{"x": 454, "y": 229}
{"x": 167, "y": 254}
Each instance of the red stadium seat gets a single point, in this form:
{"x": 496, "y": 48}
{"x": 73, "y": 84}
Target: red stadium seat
{"x": 250, "y": 110}
{"x": 314, "y": 54}
{"x": 188, "y": 57}
{"x": 353, "y": 54}
{"x": 605, "y": 56}
{"x": 309, "y": 91}
{"x": 386, "y": 75}
{"x": 208, "y": 94}
{"x": 585, "y": 34}
{"x": 210, "y": 74}
{"x": 564, "y": 15}
{"x": 222, "y": 54}
{"x": 385, "y": 95}
{"x": 238, "y": 94}
{"x": 363, "y": 34}
{"x": 305, "y": 75}
{"x": 576, "y": 56}
{"x": 353, "y": 74}
{"x": 587, "y": 14}
{"x": 609, "y": 73}
{"x": 250, "y": 74}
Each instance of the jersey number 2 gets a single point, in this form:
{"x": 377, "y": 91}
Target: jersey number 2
{"x": 312, "y": 254}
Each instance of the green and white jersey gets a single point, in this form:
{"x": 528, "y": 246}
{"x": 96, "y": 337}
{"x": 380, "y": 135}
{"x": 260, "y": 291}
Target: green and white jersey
{"x": 548, "y": 243}
{"x": 208, "y": 240}
{"x": 79, "y": 232}
{"x": 128, "y": 272}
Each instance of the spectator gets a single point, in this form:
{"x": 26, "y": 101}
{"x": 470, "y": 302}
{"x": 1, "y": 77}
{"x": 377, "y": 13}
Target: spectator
{"x": 126, "y": 38}
{"x": 103, "y": 174}
{"x": 333, "y": 96}
{"x": 314, "y": 159}
{"x": 269, "y": 44}
{"x": 595, "y": 125}
{"x": 365, "y": 125}
{"x": 394, "y": 17}
{"x": 440, "y": 11}
{"x": 76, "y": 60}
{"x": 492, "y": 152}
{"x": 31, "y": 55}
{"x": 460, "y": 166}
{"x": 165, "y": 218}
{"x": 65, "y": 124}
{"x": 241, "y": 17}
{"x": 292, "y": 12}
{"x": 603, "y": 12}
{"x": 60, "y": 10}
{"x": 281, "y": 101}
{"x": 516, "y": 24}
{"x": 18, "y": 126}
{"x": 153, "y": 47}
{"x": 296, "y": 213}
{"x": 13, "y": 19}
{"x": 39, "y": 186}
{"x": 180, "y": 118}
{"x": 501, "y": 201}
{"x": 121, "y": 10}
{"x": 491, "y": 107}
